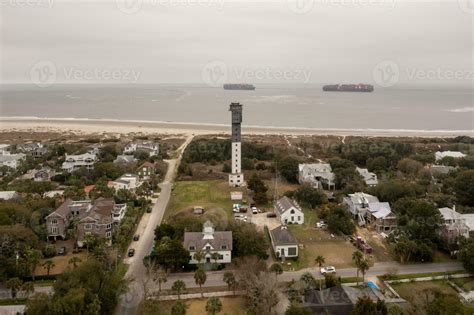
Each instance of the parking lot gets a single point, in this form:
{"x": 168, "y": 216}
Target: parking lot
{"x": 261, "y": 219}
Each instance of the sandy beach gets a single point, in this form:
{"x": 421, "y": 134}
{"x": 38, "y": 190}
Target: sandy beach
{"x": 90, "y": 126}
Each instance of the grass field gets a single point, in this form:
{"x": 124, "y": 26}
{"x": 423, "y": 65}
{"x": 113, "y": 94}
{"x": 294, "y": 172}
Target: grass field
{"x": 61, "y": 263}
{"x": 213, "y": 194}
{"x": 465, "y": 283}
{"x": 230, "y": 306}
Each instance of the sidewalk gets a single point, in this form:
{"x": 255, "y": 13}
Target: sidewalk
{"x": 198, "y": 295}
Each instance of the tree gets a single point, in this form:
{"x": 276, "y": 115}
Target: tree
{"x": 179, "y": 308}
{"x": 365, "y": 306}
{"x": 161, "y": 277}
{"x": 288, "y": 168}
{"x": 466, "y": 254}
{"x": 277, "y": 269}
{"x": 339, "y": 220}
{"x": 464, "y": 187}
{"x": 14, "y": 284}
{"x": 363, "y": 267}
{"x": 163, "y": 230}
{"x": 213, "y": 306}
{"x": 409, "y": 166}
{"x": 229, "y": 278}
{"x": 357, "y": 257}
{"x": 309, "y": 196}
{"x": 319, "y": 260}
{"x": 199, "y": 256}
{"x": 170, "y": 253}
{"x": 33, "y": 258}
{"x": 200, "y": 277}
{"x": 215, "y": 257}
{"x": 259, "y": 188}
{"x": 294, "y": 309}
{"x": 248, "y": 241}
{"x": 330, "y": 280}
{"x": 308, "y": 280}
{"x": 434, "y": 301}
{"x": 74, "y": 261}
{"x": 178, "y": 287}
{"x": 48, "y": 265}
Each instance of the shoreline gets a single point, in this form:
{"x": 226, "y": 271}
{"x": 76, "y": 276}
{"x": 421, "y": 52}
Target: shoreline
{"x": 88, "y": 126}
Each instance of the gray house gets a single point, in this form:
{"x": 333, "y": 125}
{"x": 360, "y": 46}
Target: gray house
{"x": 284, "y": 243}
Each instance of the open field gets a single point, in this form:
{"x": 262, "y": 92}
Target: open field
{"x": 213, "y": 195}
{"x": 230, "y": 306}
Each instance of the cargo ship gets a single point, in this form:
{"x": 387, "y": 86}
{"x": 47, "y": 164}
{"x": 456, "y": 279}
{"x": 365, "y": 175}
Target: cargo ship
{"x": 348, "y": 88}
{"x": 239, "y": 87}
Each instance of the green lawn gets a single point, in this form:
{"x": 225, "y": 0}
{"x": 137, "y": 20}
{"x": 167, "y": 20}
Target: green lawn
{"x": 411, "y": 291}
{"x": 213, "y": 194}
{"x": 465, "y": 283}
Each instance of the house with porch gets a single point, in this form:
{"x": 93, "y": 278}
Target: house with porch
{"x": 370, "y": 178}
{"x": 318, "y": 175}
{"x": 208, "y": 242}
{"x": 11, "y": 160}
{"x": 129, "y": 182}
{"x": 284, "y": 243}
{"x": 151, "y": 147}
{"x": 125, "y": 159}
{"x": 35, "y": 149}
{"x": 44, "y": 175}
{"x": 439, "y": 155}
{"x": 288, "y": 211}
{"x": 454, "y": 225}
{"x": 146, "y": 170}
{"x": 75, "y": 162}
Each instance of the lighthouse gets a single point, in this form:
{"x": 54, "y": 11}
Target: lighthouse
{"x": 236, "y": 178}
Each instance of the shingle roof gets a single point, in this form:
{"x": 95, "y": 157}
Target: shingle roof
{"x": 282, "y": 236}
{"x": 218, "y": 239}
{"x": 284, "y": 204}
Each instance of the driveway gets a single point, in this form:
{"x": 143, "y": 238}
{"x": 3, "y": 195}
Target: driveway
{"x": 261, "y": 219}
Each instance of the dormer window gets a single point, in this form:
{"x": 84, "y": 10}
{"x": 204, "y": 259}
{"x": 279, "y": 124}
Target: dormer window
{"x": 208, "y": 247}
{"x": 292, "y": 211}
{"x": 192, "y": 248}
{"x": 224, "y": 247}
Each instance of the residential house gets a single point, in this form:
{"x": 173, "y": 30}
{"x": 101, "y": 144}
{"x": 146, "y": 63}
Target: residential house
{"x": 125, "y": 159}
{"x": 319, "y": 175}
{"x": 53, "y": 193}
{"x": 4, "y": 148}
{"x": 151, "y": 147}
{"x": 75, "y": 162}
{"x": 209, "y": 241}
{"x": 288, "y": 211}
{"x": 469, "y": 217}
{"x": 146, "y": 170}
{"x": 454, "y": 225}
{"x": 454, "y": 154}
{"x": 35, "y": 149}
{"x": 95, "y": 148}
{"x": 118, "y": 212}
{"x": 10, "y": 160}
{"x": 440, "y": 169}
{"x": 341, "y": 299}
{"x": 9, "y": 195}
{"x": 89, "y": 218}
{"x": 370, "y": 178}
{"x": 369, "y": 210}
{"x": 284, "y": 243}
{"x": 44, "y": 175}
{"x": 129, "y": 182}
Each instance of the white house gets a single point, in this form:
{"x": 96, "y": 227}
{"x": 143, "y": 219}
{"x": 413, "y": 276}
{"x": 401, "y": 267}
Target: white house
{"x": 129, "y": 182}
{"x": 454, "y": 154}
{"x": 208, "y": 242}
{"x": 11, "y": 160}
{"x": 74, "y": 162}
{"x": 370, "y": 178}
{"x": 454, "y": 224}
{"x": 284, "y": 243}
{"x": 8, "y": 195}
{"x": 288, "y": 211}
{"x": 319, "y": 175}
{"x": 151, "y": 147}
{"x": 118, "y": 212}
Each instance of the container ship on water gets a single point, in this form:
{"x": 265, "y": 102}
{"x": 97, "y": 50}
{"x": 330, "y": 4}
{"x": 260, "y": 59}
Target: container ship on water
{"x": 348, "y": 88}
{"x": 239, "y": 87}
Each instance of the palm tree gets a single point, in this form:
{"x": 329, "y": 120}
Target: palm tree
{"x": 161, "y": 277}
{"x": 200, "y": 277}
{"x": 28, "y": 287}
{"x": 308, "y": 279}
{"x": 277, "y": 269}
{"x": 74, "y": 261}
{"x": 48, "y": 265}
{"x": 213, "y": 306}
{"x": 179, "y": 308}
{"x": 33, "y": 257}
{"x": 320, "y": 260}
{"x": 229, "y": 278}
{"x": 14, "y": 284}
{"x": 364, "y": 266}
{"x": 178, "y": 287}
{"x": 199, "y": 256}
{"x": 357, "y": 257}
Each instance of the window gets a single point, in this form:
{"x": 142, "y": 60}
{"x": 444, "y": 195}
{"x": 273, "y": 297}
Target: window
{"x": 299, "y": 218}
{"x": 221, "y": 257}
{"x": 54, "y": 230}
{"x": 108, "y": 234}
{"x": 109, "y": 226}
{"x": 54, "y": 221}
{"x": 88, "y": 226}
{"x": 224, "y": 247}
{"x": 292, "y": 218}
{"x": 208, "y": 247}
{"x": 291, "y": 251}
{"x": 192, "y": 248}
{"x": 292, "y": 211}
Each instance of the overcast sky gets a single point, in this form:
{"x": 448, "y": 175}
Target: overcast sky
{"x": 193, "y": 41}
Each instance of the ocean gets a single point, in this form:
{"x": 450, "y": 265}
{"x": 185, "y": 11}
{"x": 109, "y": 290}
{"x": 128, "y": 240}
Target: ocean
{"x": 297, "y": 106}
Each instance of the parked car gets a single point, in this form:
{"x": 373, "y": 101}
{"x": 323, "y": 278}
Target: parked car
{"x": 329, "y": 269}
{"x": 148, "y": 210}
{"x": 62, "y": 251}
{"x": 136, "y": 237}
{"x": 321, "y": 225}
{"x": 271, "y": 215}
{"x": 131, "y": 252}
{"x": 254, "y": 210}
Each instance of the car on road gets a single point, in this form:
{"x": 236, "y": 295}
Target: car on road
{"x": 131, "y": 252}
{"x": 148, "y": 210}
{"x": 62, "y": 251}
{"x": 136, "y": 237}
{"x": 328, "y": 269}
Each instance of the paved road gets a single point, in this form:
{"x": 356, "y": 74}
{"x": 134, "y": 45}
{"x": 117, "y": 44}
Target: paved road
{"x": 136, "y": 271}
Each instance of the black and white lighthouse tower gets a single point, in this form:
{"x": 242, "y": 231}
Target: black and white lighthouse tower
{"x": 236, "y": 178}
